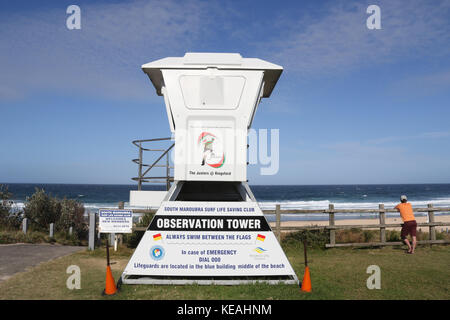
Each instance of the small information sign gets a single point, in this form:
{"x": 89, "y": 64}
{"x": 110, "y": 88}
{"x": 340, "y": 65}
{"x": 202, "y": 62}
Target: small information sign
{"x": 115, "y": 220}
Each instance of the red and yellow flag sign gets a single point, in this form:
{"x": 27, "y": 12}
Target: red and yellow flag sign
{"x": 260, "y": 237}
{"x": 157, "y": 236}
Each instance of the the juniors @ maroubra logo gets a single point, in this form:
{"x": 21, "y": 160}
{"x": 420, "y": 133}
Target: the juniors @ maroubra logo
{"x": 212, "y": 148}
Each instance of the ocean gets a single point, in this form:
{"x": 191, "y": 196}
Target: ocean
{"x": 95, "y": 196}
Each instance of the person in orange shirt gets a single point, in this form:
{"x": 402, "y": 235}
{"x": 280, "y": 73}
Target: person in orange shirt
{"x": 409, "y": 223}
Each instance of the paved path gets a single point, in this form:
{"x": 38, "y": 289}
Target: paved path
{"x": 18, "y": 257}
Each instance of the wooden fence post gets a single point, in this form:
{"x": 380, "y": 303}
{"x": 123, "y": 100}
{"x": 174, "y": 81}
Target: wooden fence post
{"x": 382, "y": 222}
{"x": 52, "y": 227}
{"x": 91, "y": 231}
{"x": 278, "y": 223}
{"x": 331, "y": 220}
{"x": 24, "y": 225}
{"x": 431, "y": 220}
{"x": 112, "y": 239}
{"x": 118, "y": 238}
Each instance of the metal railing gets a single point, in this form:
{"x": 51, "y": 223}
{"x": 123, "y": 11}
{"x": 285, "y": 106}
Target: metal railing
{"x": 162, "y": 161}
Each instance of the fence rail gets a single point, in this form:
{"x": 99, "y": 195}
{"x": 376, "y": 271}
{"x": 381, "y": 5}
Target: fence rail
{"x": 382, "y": 225}
{"x": 333, "y": 227}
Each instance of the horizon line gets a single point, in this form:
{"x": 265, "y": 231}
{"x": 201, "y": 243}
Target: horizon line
{"x": 157, "y": 184}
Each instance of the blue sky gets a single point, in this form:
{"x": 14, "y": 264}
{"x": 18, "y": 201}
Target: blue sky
{"x": 353, "y": 105}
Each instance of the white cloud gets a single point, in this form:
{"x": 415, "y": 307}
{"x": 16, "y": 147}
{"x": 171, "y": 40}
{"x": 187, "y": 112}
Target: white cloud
{"x": 340, "y": 41}
{"x": 104, "y": 57}
{"x": 424, "y": 135}
{"x": 421, "y": 85}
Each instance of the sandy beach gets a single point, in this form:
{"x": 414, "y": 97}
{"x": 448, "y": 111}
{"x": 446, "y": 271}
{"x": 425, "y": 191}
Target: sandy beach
{"x": 443, "y": 218}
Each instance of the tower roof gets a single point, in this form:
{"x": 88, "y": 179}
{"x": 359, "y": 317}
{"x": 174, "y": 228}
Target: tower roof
{"x": 221, "y": 61}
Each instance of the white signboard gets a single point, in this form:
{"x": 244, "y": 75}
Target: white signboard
{"x": 115, "y": 220}
{"x": 209, "y": 239}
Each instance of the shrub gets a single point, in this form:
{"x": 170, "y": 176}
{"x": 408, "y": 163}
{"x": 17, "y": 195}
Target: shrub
{"x": 5, "y": 205}
{"x": 349, "y": 235}
{"x": 422, "y": 235}
{"x": 20, "y": 237}
{"x": 393, "y": 236}
{"x": 146, "y": 219}
{"x": 42, "y": 209}
{"x": 314, "y": 238}
{"x": 38, "y": 237}
{"x": 369, "y": 235}
{"x": 8, "y": 219}
{"x": 67, "y": 239}
{"x": 132, "y": 240}
{"x": 442, "y": 235}
{"x": 72, "y": 215}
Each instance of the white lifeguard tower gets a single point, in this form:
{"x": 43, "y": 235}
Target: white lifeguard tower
{"x": 209, "y": 228}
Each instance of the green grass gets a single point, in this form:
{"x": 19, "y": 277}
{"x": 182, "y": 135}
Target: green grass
{"x": 335, "y": 273}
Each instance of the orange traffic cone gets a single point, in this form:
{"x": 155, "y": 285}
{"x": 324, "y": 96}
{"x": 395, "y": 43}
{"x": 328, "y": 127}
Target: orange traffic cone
{"x": 306, "y": 283}
{"x": 110, "y": 287}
